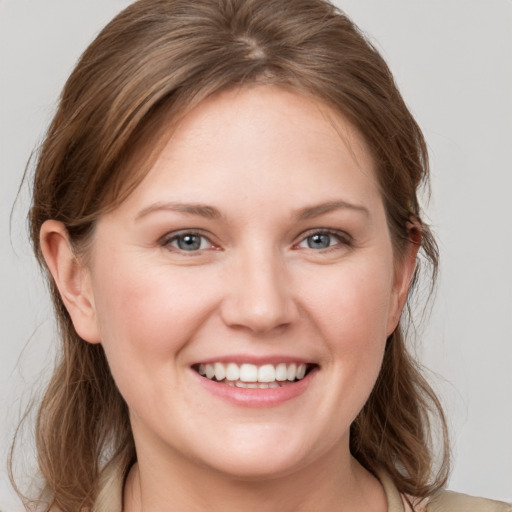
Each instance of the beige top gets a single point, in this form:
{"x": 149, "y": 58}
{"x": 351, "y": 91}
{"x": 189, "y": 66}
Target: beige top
{"x": 441, "y": 501}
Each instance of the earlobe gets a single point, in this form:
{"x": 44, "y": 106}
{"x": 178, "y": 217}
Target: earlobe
{"x": 403, "y": 276}
{"x": 71, "y": 278}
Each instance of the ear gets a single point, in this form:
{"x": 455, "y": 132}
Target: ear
{"x": 404, "y": 270}
{"x": 71, "y": 277}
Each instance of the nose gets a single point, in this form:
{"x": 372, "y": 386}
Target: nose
{"x": 259, "y": 294}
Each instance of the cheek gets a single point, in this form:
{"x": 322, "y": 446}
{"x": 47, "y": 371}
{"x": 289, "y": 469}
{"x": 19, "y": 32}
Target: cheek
{"x": 352, "y": 304}
{"x": 348, "y": 306}
{"x": 146, "y": 314}
{"x": 357, "y": 335}
{"x": 351, "y": 311}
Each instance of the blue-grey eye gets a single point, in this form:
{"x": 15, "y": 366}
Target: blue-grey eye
{"x": 189, "y": 242}
{"x": 319, "y": 241}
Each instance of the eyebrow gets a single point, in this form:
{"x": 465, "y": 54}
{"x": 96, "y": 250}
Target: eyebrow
{"x": 210, "y": 212}
{"x": 201, "y": 210}
{"x": 310, "y": 212}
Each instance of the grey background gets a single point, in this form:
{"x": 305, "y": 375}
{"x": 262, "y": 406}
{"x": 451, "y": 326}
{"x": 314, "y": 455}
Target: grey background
{"x": 453, "y": 62}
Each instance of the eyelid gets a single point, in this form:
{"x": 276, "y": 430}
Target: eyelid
{"x": 344, "y": 238}
{"x": 165, "y": 241}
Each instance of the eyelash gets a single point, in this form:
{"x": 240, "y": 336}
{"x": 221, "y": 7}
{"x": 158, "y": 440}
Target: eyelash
{"x": 167, "y": 241}
{"x": 343, "y": 239}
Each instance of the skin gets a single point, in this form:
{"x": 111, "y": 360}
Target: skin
{"x": 259, "y": 156}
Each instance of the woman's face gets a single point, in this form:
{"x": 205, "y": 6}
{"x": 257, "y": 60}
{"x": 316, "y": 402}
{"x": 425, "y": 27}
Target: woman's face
{"x": 255, "y": 249}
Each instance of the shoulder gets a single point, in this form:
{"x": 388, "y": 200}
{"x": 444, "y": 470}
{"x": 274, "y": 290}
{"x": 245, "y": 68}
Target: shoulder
{"x": 449, "y": 501}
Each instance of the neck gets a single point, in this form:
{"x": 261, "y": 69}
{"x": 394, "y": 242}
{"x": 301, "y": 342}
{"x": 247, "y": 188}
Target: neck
{"x": 188, "y": 486}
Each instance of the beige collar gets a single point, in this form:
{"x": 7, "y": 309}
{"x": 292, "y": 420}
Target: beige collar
{"x": 394, "y": 498}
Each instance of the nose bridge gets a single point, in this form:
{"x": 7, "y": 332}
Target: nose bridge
{"x": 259, "y": 297}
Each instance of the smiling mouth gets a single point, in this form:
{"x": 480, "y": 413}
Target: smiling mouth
{"x": 254, "y": 376}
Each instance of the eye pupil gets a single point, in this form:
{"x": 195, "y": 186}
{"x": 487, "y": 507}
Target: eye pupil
{"x": 319, "y": 241}
{"x": 189, "y": 242}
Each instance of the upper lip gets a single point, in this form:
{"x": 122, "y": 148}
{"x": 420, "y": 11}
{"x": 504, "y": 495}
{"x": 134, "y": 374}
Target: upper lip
{"x": 253, "y": 359}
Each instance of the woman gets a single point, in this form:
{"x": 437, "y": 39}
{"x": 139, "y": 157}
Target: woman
{"x": 226, "y": 204}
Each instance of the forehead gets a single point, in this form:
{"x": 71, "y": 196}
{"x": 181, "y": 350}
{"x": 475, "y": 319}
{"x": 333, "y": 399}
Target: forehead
{"x": 259, "y": 142}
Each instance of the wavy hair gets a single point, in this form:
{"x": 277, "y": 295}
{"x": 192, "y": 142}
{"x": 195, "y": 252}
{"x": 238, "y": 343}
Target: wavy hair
{"x": 150, "y": 65}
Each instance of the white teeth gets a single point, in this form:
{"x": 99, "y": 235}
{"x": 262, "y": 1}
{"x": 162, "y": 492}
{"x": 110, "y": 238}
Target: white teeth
{"x": 281, "y": 372}
{"x": 301, "y": 371}
{"x": 210, "y": 372}
{"x": 266, "y": 373}
{"x": 254, "y": 385}
{"x": 220, "y": 371}
{"x": 232, "y": 372}
{"x": 250, "y": 375}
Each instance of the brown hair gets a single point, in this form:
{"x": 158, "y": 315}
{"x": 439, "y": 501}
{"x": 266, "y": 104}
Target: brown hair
{"x": 156, "y": 60}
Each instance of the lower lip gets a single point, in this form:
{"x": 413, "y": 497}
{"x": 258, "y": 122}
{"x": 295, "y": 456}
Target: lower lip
{"x": 249, "y": 397}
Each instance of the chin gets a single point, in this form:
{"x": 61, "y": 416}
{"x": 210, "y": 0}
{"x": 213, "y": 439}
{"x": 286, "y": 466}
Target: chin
{"x": 259, "y": 467}
{"x": 258, "y": 454}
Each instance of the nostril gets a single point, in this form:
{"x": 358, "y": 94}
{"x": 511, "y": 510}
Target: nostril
{"x": 257, "y": 320}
